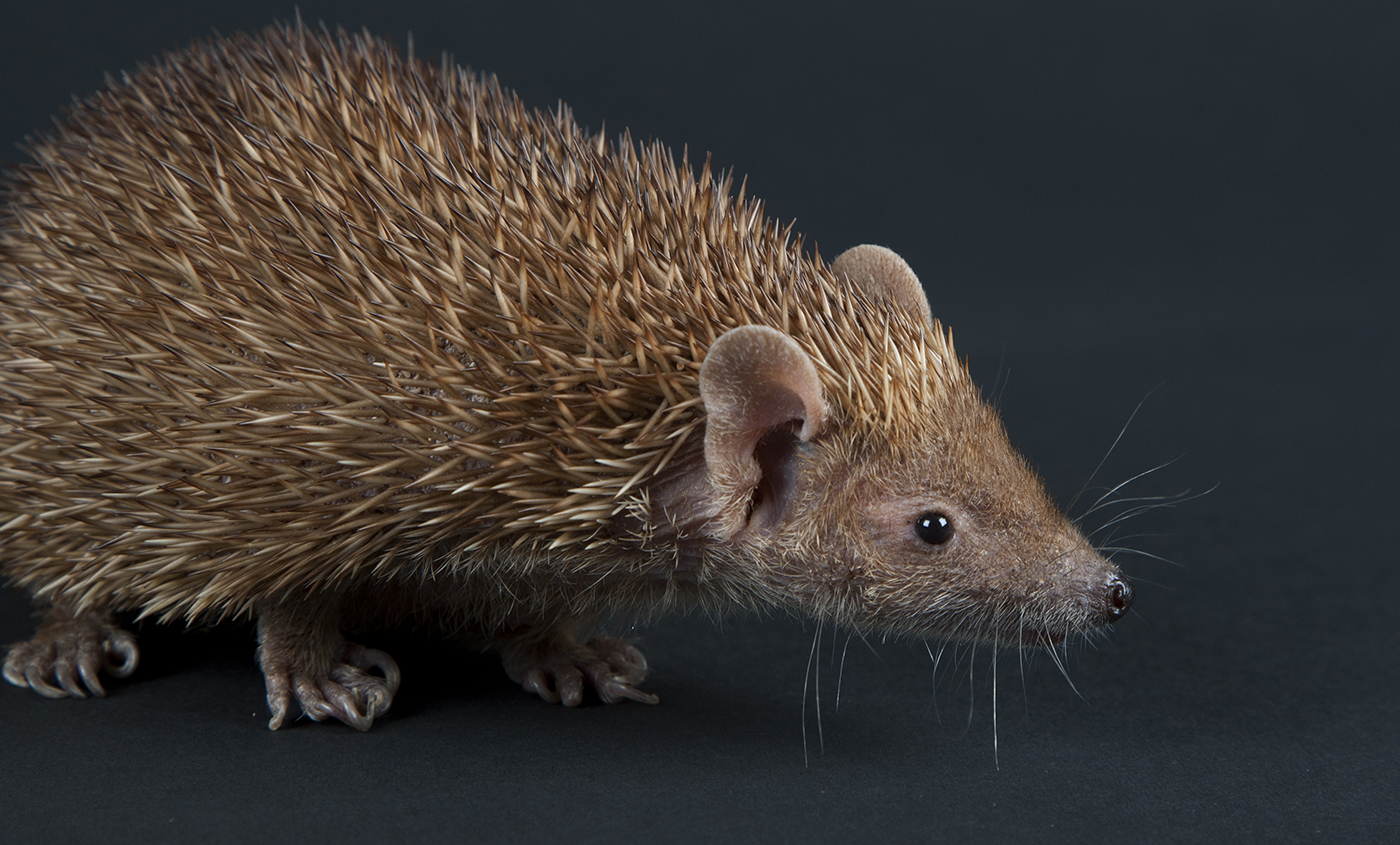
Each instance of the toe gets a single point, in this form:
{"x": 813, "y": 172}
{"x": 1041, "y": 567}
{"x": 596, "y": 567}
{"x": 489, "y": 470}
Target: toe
{"x": 368, "y": 697}
{"x": 569, "y": 682}
{"x": 66, "y": 674}
{"x": 35, "y": 679}
{"x": 372, "y": 658}
{"x": 279, "y": 697}
{"x": 68, "y": 653}
{"x": 614, "y": 689}
{"x": 616, "y": 693}
{"x": 15, "y": 662}
{"x": 373, "y": 699}
{"x": 623, "y": 658}
{"x": 89, "y": 667}
{"x": 313, "y": 704}
{"x": 345, "y": 706}
{"x": 537, "y": 682}
{"x": 121, "y": 645}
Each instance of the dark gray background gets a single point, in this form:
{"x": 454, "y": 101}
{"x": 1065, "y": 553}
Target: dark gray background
{"x": 1102, "y": 198}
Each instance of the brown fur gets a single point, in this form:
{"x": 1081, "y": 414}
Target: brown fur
{"x": 297, "y": 328}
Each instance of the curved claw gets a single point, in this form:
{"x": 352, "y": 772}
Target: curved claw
{"x": 569, "y": 683}
{"x": 559, "y": 670}
{"x": 344, "y": 706}
{"x": 346, "y": 693}
{"x": 12, "y": 671}
{"x": 122, "y": 644}
{"x": 68, "y": 653}
{"x": 88, "y": 667}
{"x": 36, "y": 682}
{"x": 279, "y": 696}
{"x": 613, "y": 692}
{"x": 618, "y": 651}
{"x": 372, "y": 658}
{"x": 66, "y": 674}
{"x": 537, "y": 682}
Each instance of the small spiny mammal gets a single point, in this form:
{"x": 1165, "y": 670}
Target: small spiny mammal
{"x": 297, "y": 329}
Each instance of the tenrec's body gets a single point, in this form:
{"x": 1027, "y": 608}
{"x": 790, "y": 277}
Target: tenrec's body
{"x": 295, "y": 328}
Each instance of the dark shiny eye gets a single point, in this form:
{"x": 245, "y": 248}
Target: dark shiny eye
{"x": 934, "y": 528}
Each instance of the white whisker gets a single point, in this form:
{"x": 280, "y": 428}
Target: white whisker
{"x": 1135, "y": 512}
{"x": 1021, "y": 659}
{"x": 1165, "y": 502}
{"x": 936, "y": 659}
{"x": 1128, "y": 500}
{"x": 1113, "y": 537}
{"x": 1098, "y": 503}
{"x": 869, "y": 646}
{"x": 817, "y": 688}
{"x": 840, "y": 672}
{"x": 1131, "y": 551}
{"x": 1055, "y": 656}
{"x": 1000, "y": 382}
{"x": 1121, "y": 432}
{"x": 996, "y": 747}
{"x": 805, "y": 678}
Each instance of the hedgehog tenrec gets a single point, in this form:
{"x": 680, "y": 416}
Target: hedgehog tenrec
{"x": 299, "y": 329}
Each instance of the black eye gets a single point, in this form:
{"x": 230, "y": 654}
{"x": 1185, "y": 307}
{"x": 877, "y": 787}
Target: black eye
{"x": 934, "y": 528}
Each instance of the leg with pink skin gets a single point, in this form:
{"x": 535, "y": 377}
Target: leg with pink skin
{"x": 303, "y": 655}
{"x": 550, "y": 662}
{"x": 69, "y": 651}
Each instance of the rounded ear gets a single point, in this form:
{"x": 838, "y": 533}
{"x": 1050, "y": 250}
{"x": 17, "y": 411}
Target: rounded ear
{"x": 755, "y": 381}
{"x": 884, "y": 275}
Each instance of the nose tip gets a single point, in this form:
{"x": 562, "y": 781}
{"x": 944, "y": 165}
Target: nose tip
{"x": 1120, "y": 597}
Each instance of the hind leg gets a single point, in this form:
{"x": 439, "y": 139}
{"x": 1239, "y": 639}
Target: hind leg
{"x": 303, "y": 655}
{"x": 68, "y": 652}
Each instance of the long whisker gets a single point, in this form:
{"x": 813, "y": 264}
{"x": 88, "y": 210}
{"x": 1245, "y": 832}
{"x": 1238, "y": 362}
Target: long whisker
{"x": 1021, "y": 659}
{"x": 869, "y": 646}
{"x": 1000, "y": 383}
{"x": 1100, "y": 501}
{"x": 817, "y": 688}
{"x": 1166, "y": 502}
{"x": 805, "y": 678}
{"x": 840, "y": 672}
{"x": 1055, "y": 656}
{"x": 1113, "y": 537}
{"x": 1171, "y": 499}
{"x": 1130, "y": 499}
{"x": 1121, "y": 432}
{"x": 936, "y": 660}
{"x": 1130, "y": 513}
{"x": 1132, "y": 551}
{"x": 996, "y": 748}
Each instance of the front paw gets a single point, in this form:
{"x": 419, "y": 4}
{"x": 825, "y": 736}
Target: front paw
{"x": 557, "y": 671}
{"x": 68, "y": 653}
{"x": 346, "y": 692}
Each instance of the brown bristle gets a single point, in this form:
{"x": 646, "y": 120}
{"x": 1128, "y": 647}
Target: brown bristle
{"x": 284, "y": 309}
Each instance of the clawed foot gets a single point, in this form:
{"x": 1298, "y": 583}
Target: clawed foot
{"x": 347, "y": 692}
{"x": 556, "y": 671}
{"x": 68, "y": 652}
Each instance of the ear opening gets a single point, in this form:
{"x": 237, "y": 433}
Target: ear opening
{"x": 774, "y": 453}
{"x": 762, "y": 397}
{"x": 883, "y": 274}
